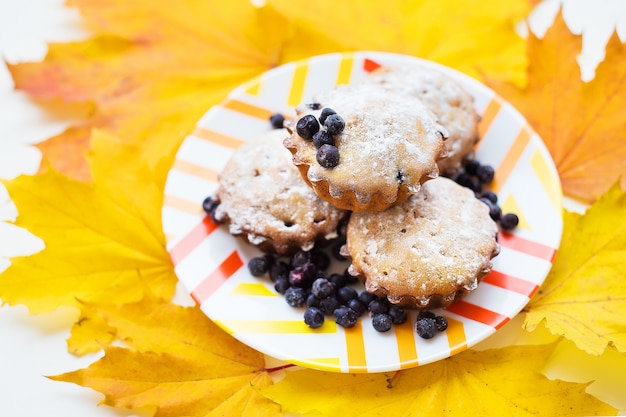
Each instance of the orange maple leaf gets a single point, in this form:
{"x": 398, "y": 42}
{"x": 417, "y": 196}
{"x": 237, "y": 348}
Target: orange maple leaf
{"x": 581, "y": 122}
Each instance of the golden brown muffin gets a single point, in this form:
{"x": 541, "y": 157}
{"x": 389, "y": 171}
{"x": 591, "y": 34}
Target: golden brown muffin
{"x": 426, "y": 252}
{"x": 388, "y": 148}
{"x": 264, "y": 199}
{"x": 451, "y": 103}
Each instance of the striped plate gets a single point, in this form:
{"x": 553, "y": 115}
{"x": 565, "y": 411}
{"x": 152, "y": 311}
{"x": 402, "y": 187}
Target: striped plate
{"x": 212, "y": 265}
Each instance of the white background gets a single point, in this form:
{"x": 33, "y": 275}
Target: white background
{"x": 32, "y": 347}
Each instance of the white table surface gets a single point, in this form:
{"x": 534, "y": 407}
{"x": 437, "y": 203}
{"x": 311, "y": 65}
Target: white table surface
{"x": 34, "y": 346}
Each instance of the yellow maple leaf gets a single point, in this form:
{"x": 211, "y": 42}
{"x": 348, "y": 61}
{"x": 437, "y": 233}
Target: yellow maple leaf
{"x": 463, "y": 34}
{"x": 180, "y": 363}
{"x": 492, "y": 382}
{"x": 580, "y": 122}
{"x": 584, "y": 297}
{"x": 103, "y": 240}
{"x": 152, "y": 70}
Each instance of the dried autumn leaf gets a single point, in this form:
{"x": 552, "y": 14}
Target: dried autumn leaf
{"x": 103, "y": 240}
{"x": 493, "y": 382}
{"x": 181, "y": 364}
{"x": 584, "y": 297}
{"x": 580, "y": 122}
{"x": 463, "y": 34}
{"x": 151, "y": 69}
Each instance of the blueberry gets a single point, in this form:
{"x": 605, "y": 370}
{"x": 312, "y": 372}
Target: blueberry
{"x": 320, "y": 259}
{"x": 491, "y": 196}
{"x": 426, "y": 328}
{"x": 338, "y": 280}
{"x": 326, "y": 111}
{"x": 346, "y": 294}
{"x": 329, "y": 304}
{"x": 345, "y": 317}
{"x": 398, "y": 315}
{"x": 494, "y": 210}
{"x": 379, "y": 305}
{"x": 350, "y": 279}
{"x": 426, "y": 314}
{"x": 313, "y": 317}
{"x": 382, "y": 322}
{"x": 279, "y": 269}
{"x": 281, "y": 285}
{"x": 485, "y": 173}
{"x": 300, "y": 258}
{"x": 464, "y": 179}
{"x": 258, "y": 266}
{"x": 358, "y": 307}
{"x": 307, "y": 126}
{"x": 322, "y": 288}
{"x": 471, "y": 166}
{"x": 277, "y": 120}
{"x": 334, "y": 124}
{"x": 323, "y": 138}
{"x": 314, "y": 106}
{"x": 210, "y": 204}
{"x": 312, "y": 301}
{"x": 441, "y": 323}
{"x": 509, "y": 221}
{"x": 302, "y": 276}
{"x": 366, "y": 297}
{"x": 215, "y": 218}
{"x": 328, "y": 156}
{"x": 295, "y": 297}
{"x": 336, "y": 249}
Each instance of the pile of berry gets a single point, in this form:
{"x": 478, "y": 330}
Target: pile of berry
{"x": 322, "y": 132}
{"x": 475, "y": 176}
{"x": 303, "y": 280}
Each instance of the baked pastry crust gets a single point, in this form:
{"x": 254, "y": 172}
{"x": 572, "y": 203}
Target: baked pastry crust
{"x": 426, "y": 252}
{"x": 264, "y": 200}
{"x": 448, "y": 100}
{"x": 388, "y": 149}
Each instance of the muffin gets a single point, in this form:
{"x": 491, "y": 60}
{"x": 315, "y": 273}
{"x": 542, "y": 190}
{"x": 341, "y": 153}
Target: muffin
{"x": 263, "y": 199}
{"x": 446, "y": 98}
{"x": 426, "y": 252}
{"x": 384, "y": 145}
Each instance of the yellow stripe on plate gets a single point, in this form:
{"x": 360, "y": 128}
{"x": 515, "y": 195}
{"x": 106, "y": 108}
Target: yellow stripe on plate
{"x": 489, "y": 116}
{"x": 345, "y": 70}
{"x": 253, "y": 88}
{"x": 195, "y": 170}
{"x": 297, "y": 84}
{"x": 355, "y": 345}
{"x": 217, "y": 138}
{"x": 455, "y": 332}
{"x": 548, "y": 180}
{"x": 276, "y": 326}
{"x": 180, "y": 204}
{"x": 328, "y": 364}
{"x": 405, "y": 338}
{"x": 510, "y": 205}
{"x": 251, "y": 288}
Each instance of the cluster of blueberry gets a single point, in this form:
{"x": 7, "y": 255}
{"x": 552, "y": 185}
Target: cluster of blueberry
{"x": 475, "y": 176}
{"x": 322, "y": 132}
{"x": 305, "y": 284}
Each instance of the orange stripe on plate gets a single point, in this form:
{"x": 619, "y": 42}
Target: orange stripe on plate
{"x": 218, "y": 138}
{"x": 345, "y": 70}
{"x": 216, "y": 278}
{"x": 181, "y": 204}
{"x": 455, "y": 333}
{"x": 369, "y": 65}
{"x": 539, "y": 250}
{"x": 511, "y": 283}
{"x": 247, "y": 109}
{"x": 510, "y": 159}
{"x": 192, "y": 239}
{"x": 195, "y": 170}
{"x": 297, "y": 84}
{"x": 405, "y": 337}
{"x": 488, "y": 116}
{"x": 477, "y": 313}
{"x": 355, "y": 344}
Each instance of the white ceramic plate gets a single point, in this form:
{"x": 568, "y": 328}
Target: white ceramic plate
{"x": 211, "y": 264}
